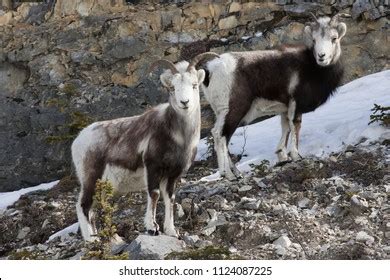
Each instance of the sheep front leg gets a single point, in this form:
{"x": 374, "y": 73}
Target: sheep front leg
{"x": 294, "y": 141}
{"x": 297, "y": 124}
{"x": 169, "y": 201}
{"x": 153, "y": 195}
{"x": 281, "y": 149}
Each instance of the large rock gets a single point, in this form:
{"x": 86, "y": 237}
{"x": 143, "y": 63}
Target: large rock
{"x": 147, "y": 247}
{"x": 228, "y": 23}
{"x": 12, "y": 78}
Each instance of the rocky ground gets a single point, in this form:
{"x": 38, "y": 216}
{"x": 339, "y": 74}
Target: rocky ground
{"x": 332, "y": 208}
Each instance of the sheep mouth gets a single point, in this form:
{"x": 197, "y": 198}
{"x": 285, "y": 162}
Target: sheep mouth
{"x": 323, "y": 62}
{"x": 185, "y": 107}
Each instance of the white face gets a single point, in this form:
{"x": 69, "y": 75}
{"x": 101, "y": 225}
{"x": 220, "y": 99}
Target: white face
{"x": 184, "y": 90}
{"x": 326, "y": 41}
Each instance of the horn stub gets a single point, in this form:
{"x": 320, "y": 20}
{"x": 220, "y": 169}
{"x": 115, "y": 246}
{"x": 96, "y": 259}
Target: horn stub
{"x": 165, "y": 64}
{"x": 201, "y": 58}
{"x": 334, "y": 19}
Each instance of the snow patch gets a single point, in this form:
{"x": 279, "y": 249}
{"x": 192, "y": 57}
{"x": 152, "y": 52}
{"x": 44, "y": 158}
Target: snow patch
{"x": 9, "y": 198}
{"x": 342, "y": 121}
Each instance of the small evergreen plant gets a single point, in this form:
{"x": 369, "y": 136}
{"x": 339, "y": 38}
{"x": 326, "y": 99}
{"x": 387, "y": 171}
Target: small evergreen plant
{"x": 380, "y": 114}
{"x": 104, "y": 210}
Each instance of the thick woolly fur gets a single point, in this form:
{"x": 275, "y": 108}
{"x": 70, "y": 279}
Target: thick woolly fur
{"x": 147, "y": 152}
{"x": 289, "y": 81}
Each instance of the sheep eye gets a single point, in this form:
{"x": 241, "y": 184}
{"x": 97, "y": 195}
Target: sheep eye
{"x": 194, "y": 86}
{"x": 314, "y": 41}
{"x": 334, "y": 40}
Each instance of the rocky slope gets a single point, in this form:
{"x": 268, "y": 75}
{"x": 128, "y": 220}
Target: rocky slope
{"x": 66, "y": 65}
{"x": 333, "y": 208}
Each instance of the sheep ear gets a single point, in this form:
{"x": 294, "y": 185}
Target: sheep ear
{"x": 341, "y": 29}
{"x": 308, "y": 35}
{"x": 166, "y": 79}
{"x": 201, "y": 75}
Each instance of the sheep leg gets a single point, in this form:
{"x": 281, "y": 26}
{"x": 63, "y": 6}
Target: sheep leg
{"x": 150, "y": 218}
{"x": 153, "y": 184}
{"x": 234, "y": 168}
{"x": 169, "y": 202}
{"x": 88, "y": 230}
{"x": 281, "y": 149}
{"x": 294, "y": 143}
{"x": 297, "y": 123}
{"x": 88, "y": 185}
{"x": 221, "y": 149}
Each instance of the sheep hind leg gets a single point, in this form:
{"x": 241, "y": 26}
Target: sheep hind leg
{"x": 220, "y": 146}
{"x": 152, "y": 183}
{"x": 85, "y": 218}
{"x": 227, "y": 162}
{"x": 281, "y": 150}
{"x": 234, "y": 168}
{"x": 297, "y": 124}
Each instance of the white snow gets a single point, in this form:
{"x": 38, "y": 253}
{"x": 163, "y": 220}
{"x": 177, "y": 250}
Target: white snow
{"x": 9, "y": 198}
{"x": 342, "y": 121}
{"x": 64, "y": 233}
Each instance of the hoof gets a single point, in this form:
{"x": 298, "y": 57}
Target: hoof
{"x": 282, "y": 155}
{"x": 153, "y": 232}
{"x": 173, "y": 233}
{"x": 295, "y": 156}
{"x": 282, "y": 163}
{"x": 230, "y": 177}
{"x": 238, "y": 174}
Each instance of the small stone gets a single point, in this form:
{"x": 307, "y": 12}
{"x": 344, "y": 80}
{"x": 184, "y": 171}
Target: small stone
{"x": 228, "y": 23}
{"x": 359, "y": 201}
{"x": 283, "y": 241}
{"x": 179, "y": 211}
{"x": 387, "y": 234}
{"x": 386, "y": 249}
{"x": 280, "y": 250}
{"x": 348, "y": 154}
{"x": 234, "y": 188}
{"x": 363, "y": 236}
{"x": 234, "y": 7}
{"x": 304, "y": 203}
{"x": 209, "y": 230}
{"x": 282, "y": 187}
{"x": 204, "y": 243}
{"x": 249, "y": 203}
{"x": 333, "y": 159}
{"x": 245, "y": 188}
{"x": 191, "y": 239}
{"x": 259, "y": 182}
{"x": 361, "y": 220}
{"x": 23, "y": 233}
{"x": 42, "y": 247}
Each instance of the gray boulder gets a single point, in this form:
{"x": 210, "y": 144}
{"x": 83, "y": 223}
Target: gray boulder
{"x": 147, "y": 247}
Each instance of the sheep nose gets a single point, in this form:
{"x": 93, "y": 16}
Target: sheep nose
{"x": 185, "y": 102}
{"x": 321, "y": 55}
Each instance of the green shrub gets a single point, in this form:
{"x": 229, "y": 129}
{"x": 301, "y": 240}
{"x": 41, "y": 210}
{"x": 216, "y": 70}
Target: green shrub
{"x": 380, "y": 114}
{"x": 103, "y": 207}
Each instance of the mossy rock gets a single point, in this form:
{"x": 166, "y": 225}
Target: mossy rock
{"x": 78, "y": 121}
{"x": 206, "y": 253}
{"x": 23, "y": 255}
